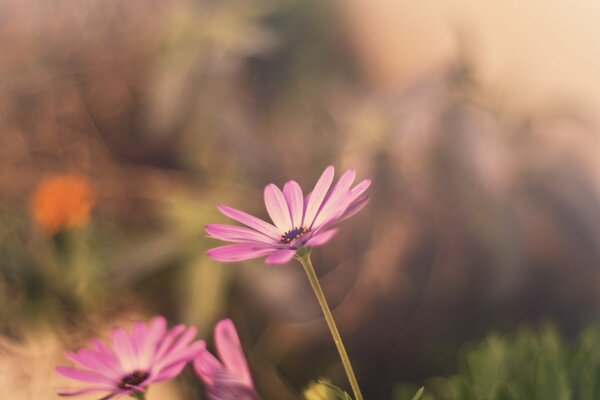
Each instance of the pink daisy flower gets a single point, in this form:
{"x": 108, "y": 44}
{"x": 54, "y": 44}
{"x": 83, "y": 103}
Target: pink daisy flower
{"x": 228, "y": 379}
{"x": 298, "y": 221}
{"x": 133, "y": 361}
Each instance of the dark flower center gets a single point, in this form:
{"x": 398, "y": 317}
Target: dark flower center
{"x": 133, "y": 379}
{"x": 295, "y": 233}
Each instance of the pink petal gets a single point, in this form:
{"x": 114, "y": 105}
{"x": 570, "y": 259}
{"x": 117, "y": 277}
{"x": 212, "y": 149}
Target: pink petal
{"x": 355, "y": 207}
{"x": 138, "y": 341}
{"x": 155, "y": 333}
{"x": 251, "y": 221}
{"x": 237, "y": 234}
{"x": 180, "y": 358}
{"x": 107, "y": 355}
{"x": 207, "y": 367}
{"x": 306, "y": 201}
{"x": 167, "y": 342}
{"x": 295, "y": 200}
{"x": 281, "y": 256}
{"x": 96, "y": 362}
{"x": 317, "y": 195}
{"x": 181, "y": 341}
{"x": 169, "y": 372}
{"x": 230, "y": 350}
{"x": 175, "y": 351}
{"x": 85, "y": 376}
{"x": 321, "y": 238}
{"x": 360, "y": 188}
{"x": 331, "y": 202}
{"x": 342, "y": 203}
{"x": 124, "y": 349}
{"x": 293, "y": 195}
{"x": 277, "y": 208}
{"x": 342, "y": 185}
{"x": 104, "y": 350}
{"x": 239, "y": 252}
{"x": 356, "y": 192}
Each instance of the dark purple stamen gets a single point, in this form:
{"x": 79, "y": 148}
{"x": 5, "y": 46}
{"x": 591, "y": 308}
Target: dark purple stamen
{"x": 133, "y": 379}
{"x": 293, "y": 234}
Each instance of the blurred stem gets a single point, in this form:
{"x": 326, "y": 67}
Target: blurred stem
{"x": 303, "y": 256}
{"x": 138, "y": 395}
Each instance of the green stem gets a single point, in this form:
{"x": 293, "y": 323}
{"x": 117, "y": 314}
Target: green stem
{"x": 138, "y": 395}
{"x": 303, "y": 256}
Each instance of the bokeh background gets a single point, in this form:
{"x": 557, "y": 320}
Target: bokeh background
{"x": 477, "y": 121}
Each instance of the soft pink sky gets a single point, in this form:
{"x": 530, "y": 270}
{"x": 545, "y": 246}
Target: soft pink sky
{"x": 532, "y": 53}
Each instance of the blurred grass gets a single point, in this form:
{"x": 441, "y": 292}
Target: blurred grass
{"x": 528, "y": 364}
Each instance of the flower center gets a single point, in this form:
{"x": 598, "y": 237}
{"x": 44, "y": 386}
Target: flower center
{"x": 293, "y": 234}
{"x": 133, "y": 379}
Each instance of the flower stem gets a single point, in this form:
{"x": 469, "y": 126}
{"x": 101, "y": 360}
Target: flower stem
{"x": 303, "y": 256}
{"x": 138, "y": 395}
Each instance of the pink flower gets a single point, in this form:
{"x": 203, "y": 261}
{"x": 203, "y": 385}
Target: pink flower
{"x": 298, "y": 221}
{"x": 149, "y": 354}
{"x": 228, "y": 379}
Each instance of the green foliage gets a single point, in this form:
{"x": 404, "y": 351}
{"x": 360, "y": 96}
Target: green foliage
{"x": 406, "y": 391}
{"x": 527, "y": 365}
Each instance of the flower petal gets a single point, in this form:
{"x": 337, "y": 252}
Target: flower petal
{"x": 239, "y": 252}
{"x": 138, "y": 340}
{"x": 85, "y": 376}
{"x": 171, "y": 351}
{"x": 237, "y": 234}
{"x": 282, "y": 256}
{"x": 321, "y": 238}
{"x": 317, "y": 195}
{"x": 355, "y": 207}
{"x": 343, "y": 202}
{"x": 277, "y": 208}
{"x": 102, "y": 349}
{"x": 207, "y": 367}
{"x": 168, "y": 341}
{"x": 169, "y": 372}
{"x": 360, "y": 188}
{"x": 156, "y": 331}
{"x": 293, "y": 195}
{"x": 93, "y": 361}
{"x": 176, "y": 358}
{"x": 230, "y": 350}
{"x": 148, "y": 347}
{"x": 344, "y": 183}
{"x": 124, "y": 349}
{"x": 331, "y": 202}
{"x": 251, "y": 221}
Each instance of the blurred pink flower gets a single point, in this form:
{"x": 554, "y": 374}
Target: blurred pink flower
{"x": 149, "y": 354}
{"x": 298, "y": 221}
{"x": 228, "y": 379}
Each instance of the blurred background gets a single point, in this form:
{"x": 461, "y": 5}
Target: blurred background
{"x": 123, "y": 124}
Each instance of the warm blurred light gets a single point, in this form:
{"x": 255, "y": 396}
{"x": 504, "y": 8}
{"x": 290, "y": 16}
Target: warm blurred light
{"x": 62, "y": 202}
{"x": 530, "y": 53}
{"x": 318, "y": 391}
